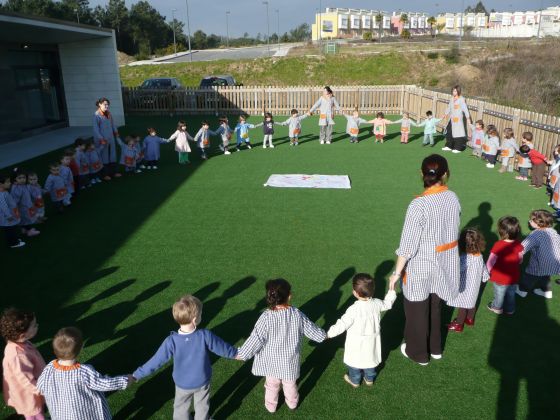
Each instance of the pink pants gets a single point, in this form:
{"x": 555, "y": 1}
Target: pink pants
{"x": 272, "y": 389}
{"x": 39, "y": 416}
{"x": 404, "y": 137}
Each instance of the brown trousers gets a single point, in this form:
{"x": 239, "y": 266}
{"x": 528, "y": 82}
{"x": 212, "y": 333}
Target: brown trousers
{"x": 537, "y": 174}
{"x": 422, "y": 329}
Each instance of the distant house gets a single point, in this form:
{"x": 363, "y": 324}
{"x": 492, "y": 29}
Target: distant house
{"x": 51, "y": 73}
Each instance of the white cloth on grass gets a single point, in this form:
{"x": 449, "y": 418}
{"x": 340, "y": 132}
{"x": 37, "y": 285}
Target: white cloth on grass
{"x": 308, "y": 181}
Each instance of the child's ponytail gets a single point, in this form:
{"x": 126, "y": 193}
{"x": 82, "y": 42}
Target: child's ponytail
{"x": 277, "y": 292}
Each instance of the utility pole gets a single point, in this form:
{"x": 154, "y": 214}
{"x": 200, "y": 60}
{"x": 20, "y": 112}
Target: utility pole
{"x": 320, "y": 28}
{"x": 461, "y": 23}
{"x": 174, "y": 40}
{"x": 189, "y": 29}
{"x": 278, "y": 31}
{"x": 227, "y": 27}
{"x": 540, "y": 20}
{"x": 267, "y": 27}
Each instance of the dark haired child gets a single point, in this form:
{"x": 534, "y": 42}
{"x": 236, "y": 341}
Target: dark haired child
{"x": 430, "y": 128}
{"x": 507, "y": 150}
{"x": 524, "y": 163}
{"x": 362, "y": 321}
{"x": 83, "y": 164}
{"x": 490, "y": 147}
{"x": 202, "y": 139}
{"x": 224, "y": 131}
{"x": 380, "y": 124}
{"x": 56, "y": 187}
{"x": 190, "y": 349}
{"x": 22, "y": 364}
{"x": 294, "y": 126}
{"x": 182, "y": 138}
{"x": 9, "y": 214}
{"x": 129, "y": 154}
{"x": 477, "y": 138}
{"x": 543, "y": 243}
{"x": 276, "y": 341}
{"x": 151, "y": 149}
{"x": 22, "y": 197}
{"x": 95, "y": 163}
{"x": 554, "y": 182}
{"x": 73, "y": 390}
{"x": 242, "y": 131}
{"x": 504, "y": 265}
{"x": 473, "y": 273}
{"x": 406, "y": 124}
{"x": 37, "y": 193}
{"x": 538, "y": 161}
{"x": 353, "y": 125}
{"x": 268, "y": 130}
{"x": 66, "y": 172}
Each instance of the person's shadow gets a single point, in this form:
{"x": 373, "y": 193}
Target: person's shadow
{"x": 485, "y": 223}
{"x": 523, "y": 350}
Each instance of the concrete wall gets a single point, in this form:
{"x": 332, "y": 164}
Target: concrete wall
{"x": 90, "y": 70}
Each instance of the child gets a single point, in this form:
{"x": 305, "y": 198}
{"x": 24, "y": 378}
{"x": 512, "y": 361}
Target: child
{"x": 543, "y": 243}
{"x": 129, "y": 154}
{"x": 224, "y": 131}
{"x": 242, "y": 130}
{"x": 353, "y": 125}
{"x": 538, "y": 161}
{"x": 294, "y": 126}
{"x": 182, "y": 139}
{"x": 83, "y": 163}
{"x": 406, "y": 123}
{"x": 362, "y": 349}
{"x": 139, "y": 153}
{"x": 152, "y": 148}
{"x": 477, "y": 138}
{"x": 190, "y": 349}
{"x": 74, "y": 390}
{"x": 9, "y": 214}
{"x": 503, "y": 264}
{"x": 507, "y": 149}
{"x": 276, "y": 341}
{"x": 380, "y": 127}
{"x": 473, "y": 272}
{"x": 22, "y": 364}
{"x": 55, "y": 186}
{"x": 22, "y": 197}
{"x": 490, "y": 148}
{"x": 202, "y": 139}
{"x": 268, "y": 130}
{"x": 430, "y": 128}
{"x": 66, "y": 172}
{"x": 36, "y": 195}
{"x": 95, "y": 163}
{"x": 524, "y": 163}
{"x": 554, "y": 182}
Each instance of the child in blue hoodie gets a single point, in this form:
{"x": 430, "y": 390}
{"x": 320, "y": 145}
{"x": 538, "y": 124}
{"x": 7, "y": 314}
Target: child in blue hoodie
{"x": 189, "y": 347}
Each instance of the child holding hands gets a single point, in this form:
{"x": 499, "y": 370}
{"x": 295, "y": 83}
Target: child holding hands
{"x": 182, "y": 138}
{"x": 9, "y": 214}
{"x": 406, "y": 123}
{"x": 294, "y": 126}
{"x": 362, "y": 321}
{"x": 353, "y": 125}
{"x": 276, "y": 341}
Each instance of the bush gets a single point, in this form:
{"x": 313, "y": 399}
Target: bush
{"x": 367, "y": 36}
{"x": 405, "y": 34}
{"x": 433, "y": 55}
{"x": 453, "y": 55}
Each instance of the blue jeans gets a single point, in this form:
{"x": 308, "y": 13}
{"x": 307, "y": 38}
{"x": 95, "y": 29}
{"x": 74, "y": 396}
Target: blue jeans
{"x": 524, "y": 172}
{"x": 355, "y": 375}
{"x": 504, "y": 297}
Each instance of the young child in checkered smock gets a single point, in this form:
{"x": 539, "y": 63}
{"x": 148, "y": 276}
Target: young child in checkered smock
{"x": 473, "y": 273}
{"x": 507, "y": 149}
{"x": 56, "y": 187}
{"x": 22, "y": 364}
{"x": 543, "y": 243}
{"x": 294, "y": 126}
{"x": 202, "y": 139}
{"x": 554, "y": 182}
{"x": 490, "y": 147}
{"x": 242, "y": 131}
{"x": 524, "y": 163}
{"x": 75, "y": 391}
{"x": 225, "y": 132}
{"x": 362, "y": 323}
{"x": 95, "y": 163}
{"x": 353, "y": 125}
{"x": 477, "y": 138}
{"x": 37, "y": 193}
{"x": 22, "y": 197}
{"x": 129, "y": 154}
{"x": 406, "y": 123}
{"x": 276, "y": 342}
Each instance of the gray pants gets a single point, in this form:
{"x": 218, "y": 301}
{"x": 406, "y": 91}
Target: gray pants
{"x": 326, "y": 133}
{"x": 183, "y": 399}
{"x": 428, "y": 139}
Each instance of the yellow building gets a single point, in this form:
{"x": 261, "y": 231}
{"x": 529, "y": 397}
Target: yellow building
{"x": 349, "y": 23}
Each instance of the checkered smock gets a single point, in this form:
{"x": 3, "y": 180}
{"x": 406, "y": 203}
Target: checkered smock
{"x": 76, "y": 392}
{"x": 276, "y": 340}
{"x": 544, "y": 246}
{"x": 429, "y": 244}
{"x": 473, "y": 272}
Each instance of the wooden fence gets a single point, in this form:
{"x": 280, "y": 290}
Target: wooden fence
{"x": 368, "y": 99}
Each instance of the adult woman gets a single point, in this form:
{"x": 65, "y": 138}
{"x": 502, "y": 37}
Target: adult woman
{"x": 428, "y": 261}
{"x": 457, "y": 112}
{"x": 326, "y": 106}
{"x": 104, "y": 135}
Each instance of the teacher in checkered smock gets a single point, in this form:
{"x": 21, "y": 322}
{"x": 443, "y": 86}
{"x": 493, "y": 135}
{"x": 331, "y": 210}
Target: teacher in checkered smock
{"x": 459, "y": 124}
{"x": 428, "y": 261}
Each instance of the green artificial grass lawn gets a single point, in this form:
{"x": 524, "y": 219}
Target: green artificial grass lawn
{"x": 114, "y": 263}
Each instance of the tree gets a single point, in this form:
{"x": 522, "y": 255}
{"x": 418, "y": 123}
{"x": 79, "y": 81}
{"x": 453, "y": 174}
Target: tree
{"x": 404, "y": 19}
{"x": 148, "y": 28}
{"x": 440, "y": 27}
{"x": 274, "y": 38}
{"x": 199, "y": 40}
{"x": 379, "y": 22}
{"x": 432, "y": 21}
{"x": 367, "y": 36}
{"x": 300, "y": 33}
{"x": 405, "y": 34}
{"x": 213, "y": 41}
{"x": 478, "y": 8}
{"x": 285, "y": 37}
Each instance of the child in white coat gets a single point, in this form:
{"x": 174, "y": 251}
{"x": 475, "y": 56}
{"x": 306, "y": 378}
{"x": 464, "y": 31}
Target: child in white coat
{"x": 362, "y": 350}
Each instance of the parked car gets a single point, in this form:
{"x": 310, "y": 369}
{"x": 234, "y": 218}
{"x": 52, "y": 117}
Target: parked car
{"x": 222, "y": 80}
{"x": 209, "y": 100}
{"x": 161, "y": 83}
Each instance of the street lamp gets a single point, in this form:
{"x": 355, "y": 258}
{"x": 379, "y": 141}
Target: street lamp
{"x": 77, "y": 14}
{"x": 174, "y": 40}
{"x": 540, "y": 20}
{"x": 227, "y": 28}
{"x": 461, "y": 23}
{"x": 267, "y": 27}
{"x": 189, "y": 29}
{"x": 278, "y": 22}
{"x": 320, "y": 29}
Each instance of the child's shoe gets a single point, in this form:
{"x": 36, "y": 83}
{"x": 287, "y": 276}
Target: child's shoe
{"x": 446, "y": 148}
{"x": 137, "y": 171}
{"x": 455, "y": 326}
{"x": 237, "y": 149}
{"x": 272, "y": 146}
{"x": 347, "y": 379}
{"x": 227, "y": 152}
{"x": 117, "y": 175}
{"x": 469, "y": 322}
{"x": 154, "y": 167}
{"x": 264, "y": 146}
{"x": 502, "y": 170}
{"x": 98, "y": 180}
{"x": 32, "y": 232}
{"x": 368, "y": 383}
{"x": 328, "y": 142}
{"x": 520, "y": 292}
{"x": 248, "y": 146}
{"x": 519, "y": 178}
{"x": 292, "y": 144}
{"x": 455, "y": 151}
{"x": 539, "y": 292}
{"x": 296, "y": 143}
{"x": 143, "y": 167}
{"x": 495, "y": 310}
{"x": 489, "y": 165}
{"x": 19, "y": 244}
{"x": 322, "y": 142}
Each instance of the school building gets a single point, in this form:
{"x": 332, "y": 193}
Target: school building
{"x": 51, "y": 73}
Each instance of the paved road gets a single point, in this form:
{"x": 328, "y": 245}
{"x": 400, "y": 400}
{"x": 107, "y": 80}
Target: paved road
{"x": 228, "y": 54}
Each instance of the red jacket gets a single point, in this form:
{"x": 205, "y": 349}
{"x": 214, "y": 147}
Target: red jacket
{"x": 74, "y": 167}
{"x": 537, "y": 158}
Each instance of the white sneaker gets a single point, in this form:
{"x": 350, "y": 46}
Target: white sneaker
{"x": 272, "y": 146}
{"x": 436, "y": 356}
{"x": 34, "y": 232}
{"x": 322, "y": 142}
{"x": 292, "y": 144}
{"x": 328, "y": 142}
{"x": 264, "y": 146}
{"x": 137, "y": 171}
{"x": 455, "y": 151}
{"x": 521, "y": 293}
{"x": 539, "y": 292}
{"x": 154, "y": 167}
{"x": 19, "y": 244}
{"x": 296, "y": 143}
{"x": 403, "y": 351}
{"x": 248, "y": 146}
{"x": 227, "y": 152}
{"x": 489, "y": 165}
{"x": 143, "y": 167}
{"x": 445, "y": 148}
{"x": 238, "y": 150}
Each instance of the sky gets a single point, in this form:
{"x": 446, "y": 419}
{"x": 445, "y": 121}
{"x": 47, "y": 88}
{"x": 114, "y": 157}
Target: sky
{"x": 250, "y": 15}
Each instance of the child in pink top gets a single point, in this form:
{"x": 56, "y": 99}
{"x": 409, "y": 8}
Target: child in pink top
{"x": 380, "y": 126}
{"x": 22, "y": 364}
